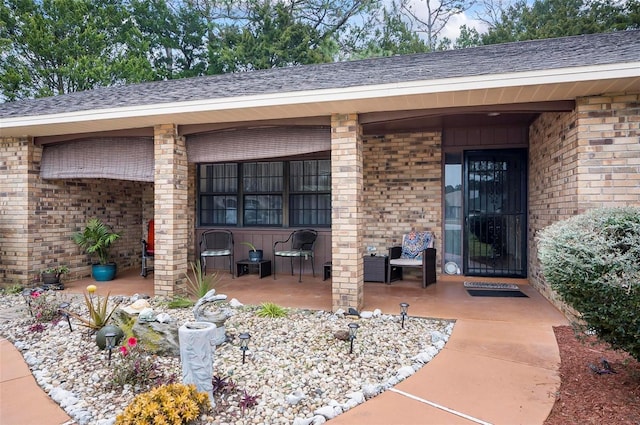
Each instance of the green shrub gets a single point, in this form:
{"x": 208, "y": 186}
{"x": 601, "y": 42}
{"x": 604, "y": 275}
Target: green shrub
{"x": 271, "y": 310}
{"x": 593, "y": 262}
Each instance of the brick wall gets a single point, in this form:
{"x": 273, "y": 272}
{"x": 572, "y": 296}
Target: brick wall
{"x": 402, "y": 188}
{"x": 581, "y": 160}
{"x": 553, "y": 182}
{"x": 38, "y": 217}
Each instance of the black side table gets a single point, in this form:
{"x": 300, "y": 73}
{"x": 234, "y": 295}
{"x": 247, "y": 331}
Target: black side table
{"x": 376, "y": 267}
{"x": 246, "y": 266}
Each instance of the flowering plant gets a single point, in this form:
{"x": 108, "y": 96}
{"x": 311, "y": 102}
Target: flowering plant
{"x": 99, "y": 314}
{"x": 134, "y": 366}
{"x": 43, "y": 309}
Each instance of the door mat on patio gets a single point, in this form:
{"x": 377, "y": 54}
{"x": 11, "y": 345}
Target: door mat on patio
{"x": 490, "y": 285}
{"x": 509, "y": 293}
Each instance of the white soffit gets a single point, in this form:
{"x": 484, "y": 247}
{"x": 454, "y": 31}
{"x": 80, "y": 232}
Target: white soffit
{"x": 533, "y": 86}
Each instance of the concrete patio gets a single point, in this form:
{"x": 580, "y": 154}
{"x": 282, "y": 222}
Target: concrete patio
{"x": 500, "y": 365}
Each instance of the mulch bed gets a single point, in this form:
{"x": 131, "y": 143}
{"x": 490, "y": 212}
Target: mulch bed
{"x": 586, "y": 397}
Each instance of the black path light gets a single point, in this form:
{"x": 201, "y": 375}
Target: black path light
{"x": 64, "y": 312}
{"x": 26, "y": 294}
{"x": 110, "y": 339}
{"x": 403, "y": 312}
{"x": 244, "y": 344}
{"x": 353, "y": 330}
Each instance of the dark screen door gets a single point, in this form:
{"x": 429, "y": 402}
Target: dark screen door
{"x": 495, "y": 213}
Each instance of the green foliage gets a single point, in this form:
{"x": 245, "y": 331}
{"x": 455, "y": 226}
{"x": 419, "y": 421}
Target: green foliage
{"x": 62, "y": 46}
{"x": 174, "y": 404}
{"x": 558, "y": 18}
{"x": 251, "y": 246}
{"x": 593, "y": 262}
{"x": 272, "y": 310}
{"x": 58, "y": 270}
{"x": 99, "y": 313}
{"x": 199, "y": 283}
{"x": 180, "y": 302}
{"x": 15, "y": 288}
{"x": 96, "y": 239}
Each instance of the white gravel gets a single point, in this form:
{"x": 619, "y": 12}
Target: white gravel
{"x": 300, "y": 372}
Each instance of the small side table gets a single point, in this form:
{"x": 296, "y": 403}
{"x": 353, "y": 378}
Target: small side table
{"x": 246, "y": 266}
{"x": 326, "y": 270}
{"x": 376, "y": 268}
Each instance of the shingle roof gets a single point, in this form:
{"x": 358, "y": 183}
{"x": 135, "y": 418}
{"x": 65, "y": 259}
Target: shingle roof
{"x": 537, "y": 55}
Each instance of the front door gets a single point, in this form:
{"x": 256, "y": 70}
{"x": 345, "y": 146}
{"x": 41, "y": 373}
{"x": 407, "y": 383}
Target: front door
{"x": 495, "y": 221}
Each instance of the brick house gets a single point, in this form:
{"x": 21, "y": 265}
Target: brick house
{"x": 483, "y": 146}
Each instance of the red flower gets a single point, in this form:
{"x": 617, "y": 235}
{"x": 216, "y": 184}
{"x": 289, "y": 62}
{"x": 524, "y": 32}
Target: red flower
{"x": 123, "y": 350}
{"x": 35, "y": 294}
{"x": 132, "y": 342}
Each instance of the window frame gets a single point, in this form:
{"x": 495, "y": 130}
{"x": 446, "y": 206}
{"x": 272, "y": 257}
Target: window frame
{"x": 241, "y": 194}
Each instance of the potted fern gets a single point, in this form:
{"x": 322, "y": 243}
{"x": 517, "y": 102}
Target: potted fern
{"x": 96, "y": 239}
{"x": 255, "y": 254}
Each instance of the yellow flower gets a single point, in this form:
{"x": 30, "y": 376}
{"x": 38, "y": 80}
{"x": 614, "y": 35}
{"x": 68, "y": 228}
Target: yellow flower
{"x": 91, "y": 289}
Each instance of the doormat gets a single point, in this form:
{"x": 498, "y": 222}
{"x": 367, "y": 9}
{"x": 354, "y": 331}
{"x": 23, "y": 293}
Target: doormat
{"x": 509, "y": 293}
{"x": 490, "y": 285}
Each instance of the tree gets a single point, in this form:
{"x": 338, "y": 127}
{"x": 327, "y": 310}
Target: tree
{"x": 60, "y": 46}
{"x": 469, "y": 37}
{"x": 392, "y": 36}
{"x": 430, "y": 17}
{"x": 558, "y": 18}
{"x": 177, "y": 37}
{"x": 271, "y": 37}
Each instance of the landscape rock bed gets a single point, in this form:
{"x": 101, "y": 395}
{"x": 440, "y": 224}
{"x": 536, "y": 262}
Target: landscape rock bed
{"x": 300, "y": 372}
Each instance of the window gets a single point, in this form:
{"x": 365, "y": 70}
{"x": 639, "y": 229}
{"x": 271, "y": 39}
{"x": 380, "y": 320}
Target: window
{"x": 310, "y": 193}
{"x": 263, "y": 185}
{"x": 218, "y": 194}
{"x": 265, "y": 193}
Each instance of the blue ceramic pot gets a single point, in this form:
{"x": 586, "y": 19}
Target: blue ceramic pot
{"x": 104, "y": 272}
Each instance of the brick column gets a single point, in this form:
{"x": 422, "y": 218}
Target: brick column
{"x": 346, "y": 219}
{"x": 19, "y": 162}
{"x": 170, "y": 210}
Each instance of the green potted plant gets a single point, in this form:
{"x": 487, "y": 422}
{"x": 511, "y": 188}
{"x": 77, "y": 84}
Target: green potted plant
{"x": 96, "y": 239}
{"x": 255, "y": 254}
{"x": 51, "y": 276}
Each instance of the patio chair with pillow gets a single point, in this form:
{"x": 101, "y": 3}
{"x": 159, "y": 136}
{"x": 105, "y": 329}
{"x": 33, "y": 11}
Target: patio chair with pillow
{"x": 216, "y": 243}
{"x": 148, "y": 249}
{"x": 302, "y": 243}
{"x": 417, "y": 251}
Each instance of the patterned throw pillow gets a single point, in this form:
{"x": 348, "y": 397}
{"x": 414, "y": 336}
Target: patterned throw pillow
{"x": 414, "y": 243}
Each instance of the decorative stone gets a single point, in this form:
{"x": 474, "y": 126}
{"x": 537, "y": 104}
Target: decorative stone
{"x": 295, "y": 397}
{"x": 137, "y": 306}
{"x": 366, "y": 314}
{"x": 342, "y": 335}
{"x": 157, "y": 338}
{"x": 405, "y": 372}
{"x": 101, "y": 339}
{"x": 235, "y": 303}
{"x": 163, "y": 318}
{"x": 147, "y": 315}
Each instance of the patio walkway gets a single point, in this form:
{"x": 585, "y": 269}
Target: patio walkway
{"x": 500, "y": 365}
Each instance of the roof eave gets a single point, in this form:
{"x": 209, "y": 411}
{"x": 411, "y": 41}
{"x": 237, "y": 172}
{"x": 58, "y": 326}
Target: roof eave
{"x": 450, "y": 92}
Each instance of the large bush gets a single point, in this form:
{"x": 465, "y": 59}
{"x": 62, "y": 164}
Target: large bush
{"x": 593, "y": 262}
